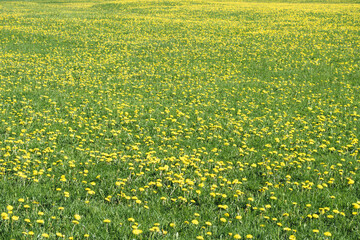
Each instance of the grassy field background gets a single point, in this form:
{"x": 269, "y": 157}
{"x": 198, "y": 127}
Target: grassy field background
{"x": 179, "y": 119}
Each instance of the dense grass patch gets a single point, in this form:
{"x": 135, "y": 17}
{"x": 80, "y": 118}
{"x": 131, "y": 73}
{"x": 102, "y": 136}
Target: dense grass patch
{"x": 179, "y": 120}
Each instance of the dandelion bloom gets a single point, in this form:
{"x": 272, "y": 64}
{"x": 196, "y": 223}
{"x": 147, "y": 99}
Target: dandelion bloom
{"x": 237, "y": 236}
{"x": 45, "y": 235}
{"x": 4, "y": 216}
{"x": 196, "y": 222}
{"x": 137, "y": 231}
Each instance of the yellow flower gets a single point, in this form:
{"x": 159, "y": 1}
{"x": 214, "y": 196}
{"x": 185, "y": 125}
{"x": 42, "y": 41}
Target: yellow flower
{"x": 196, "y": 222}
{"x": 137, "y": 231}
{"x": 45, "y": 235}
{"x": 292, "y": 237}
{"x": 77, "y": 217}
{"x": 15, "y": 218}
{"x": 4, "y": 216}
{"x": 328, "y": 234}
{"x": 107, "y": 221}
{"x": 9, "y": 207}
{"x": 59, "y": 234}
{"x": 40, "y": 221}
{"x": 249, "y": 236}
{"x": 237, "y": 236}
{"x": 223, "y": 206}
{"x": 223, "y": 220}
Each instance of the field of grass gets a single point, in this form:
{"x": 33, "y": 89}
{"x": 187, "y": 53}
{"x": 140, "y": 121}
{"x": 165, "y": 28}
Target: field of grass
{"x": 179, "y": 120}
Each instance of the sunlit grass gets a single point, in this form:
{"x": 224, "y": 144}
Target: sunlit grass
{"x": 179, "y": 120}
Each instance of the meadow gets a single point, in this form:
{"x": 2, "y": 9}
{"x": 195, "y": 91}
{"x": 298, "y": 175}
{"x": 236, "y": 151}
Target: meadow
{"x": 179, "y": 119}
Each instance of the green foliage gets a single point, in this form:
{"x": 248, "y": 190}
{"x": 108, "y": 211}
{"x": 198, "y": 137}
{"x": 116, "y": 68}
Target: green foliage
{"x": 179, "y": 120}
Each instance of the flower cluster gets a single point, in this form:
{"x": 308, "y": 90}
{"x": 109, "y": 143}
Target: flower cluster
{"x": 179, "y": 119}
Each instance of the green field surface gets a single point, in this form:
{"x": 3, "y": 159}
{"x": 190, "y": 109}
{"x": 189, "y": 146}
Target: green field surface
{"x": 179, "y": 119}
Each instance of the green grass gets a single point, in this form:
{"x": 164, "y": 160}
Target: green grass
{"x": 243, "y": 116}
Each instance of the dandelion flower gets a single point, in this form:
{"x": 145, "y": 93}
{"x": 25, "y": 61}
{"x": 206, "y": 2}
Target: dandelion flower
{"x": 195, "y": 222}
{"x": 137, "y": 231}
{"x": 237, "y": 236}
{"x": 4, "y": 216}
{"x": 45, "y": 235}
